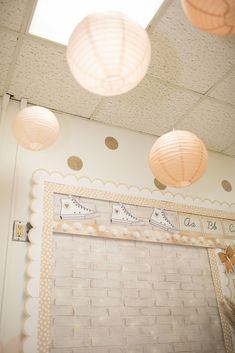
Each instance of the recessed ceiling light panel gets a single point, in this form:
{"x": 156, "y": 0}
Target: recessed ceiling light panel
{"x": 55, "y": 20}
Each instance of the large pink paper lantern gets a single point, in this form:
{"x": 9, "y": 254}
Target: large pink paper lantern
{"x": 35, "y": 128}
{"x": 108, "y": 54}
{"x": 213, "y": 16}
{"x": 178, "y": 158}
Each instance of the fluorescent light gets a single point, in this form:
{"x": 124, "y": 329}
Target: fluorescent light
{"x": 56, "y": 19}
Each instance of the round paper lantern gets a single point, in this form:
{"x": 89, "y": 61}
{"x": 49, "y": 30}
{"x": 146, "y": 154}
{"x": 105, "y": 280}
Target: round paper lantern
{"x": 213, "y": 16}
{"x": 178, "y": 158}
{"x": 35, "y": 128}
{"x": 108, "y": 54}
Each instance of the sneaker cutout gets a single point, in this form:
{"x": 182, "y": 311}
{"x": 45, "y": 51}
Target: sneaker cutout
{"x": 121, "y": 215}
{"x": 160, "y": 220}
{"x": 71, "y": 208}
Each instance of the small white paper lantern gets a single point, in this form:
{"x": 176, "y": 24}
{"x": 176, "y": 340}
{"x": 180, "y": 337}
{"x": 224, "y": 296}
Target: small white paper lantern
{"x": 35, "y": 128}
{"x": 108, "y": 54}
{"x": 178, "y": 158}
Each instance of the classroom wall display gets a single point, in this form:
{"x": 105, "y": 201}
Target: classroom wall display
{"x": 67, "y": 207}
{"x": 95, "y": 217}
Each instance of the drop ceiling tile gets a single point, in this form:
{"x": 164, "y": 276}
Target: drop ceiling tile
{"x": 230, "y": 150}
{"x": 183, "y": 55}
{"x": 7, "y": 45}
{"x": 153, "y": 107}
{"x": 12, "y": 13}
{"x": 43, "y": 77}
{"x": 225, "y": 91}
{"x": 213, "y": 122}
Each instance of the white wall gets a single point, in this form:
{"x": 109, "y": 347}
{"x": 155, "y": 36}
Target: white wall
{"x": 128, "y": 164}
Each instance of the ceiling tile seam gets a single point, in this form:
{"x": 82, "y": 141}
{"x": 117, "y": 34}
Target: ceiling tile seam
{"x": 28, "y": 14}
{"x": 31, "y": 6}
{"x": 8, "y": 30}
{"x": 219, "y": 101}
{"x": 174, "y": 85}
{"x": 158, "y": 16}
{"x": 219, "y": 81}
{"x": 11, "y": 69}
{"x": 230, "y": 145}
{"x": 226, "y": 154}
{"x": 97, "y": 108}
{"x": 197, "y": 103}
{"x": 189, "y": 110}
{"x": 29, "y": 102}
{"x": 125, "y": 128}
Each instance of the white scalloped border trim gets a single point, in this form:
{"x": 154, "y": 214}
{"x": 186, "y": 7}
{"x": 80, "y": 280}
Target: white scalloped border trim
{"x": 33, "y": 270}
{"x": 41, "y": 176}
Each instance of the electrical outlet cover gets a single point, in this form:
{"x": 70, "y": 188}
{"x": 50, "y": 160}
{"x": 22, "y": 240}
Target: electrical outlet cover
{"x": 20, "y": 231}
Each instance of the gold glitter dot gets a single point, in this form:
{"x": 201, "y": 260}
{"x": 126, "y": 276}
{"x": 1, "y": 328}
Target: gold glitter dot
{"x": 226, "y": 185}
{"x": 75, "y": 163}
{"x": 111, "y": 143}
{"x": 159, "y": 185}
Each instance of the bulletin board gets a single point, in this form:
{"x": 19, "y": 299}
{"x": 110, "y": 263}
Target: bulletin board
{"x": 66, "y": 205}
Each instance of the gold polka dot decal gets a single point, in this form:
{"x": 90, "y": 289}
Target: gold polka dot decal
{"x": 226, "y": 185}
{"x": 111, "y": 143}
{"x": 75, "y": 163}
{"x": 159, "y": 185}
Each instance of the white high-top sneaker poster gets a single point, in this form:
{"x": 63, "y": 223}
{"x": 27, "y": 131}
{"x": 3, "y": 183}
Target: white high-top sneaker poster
{"x": 71, "y": 208}
{"x": 113, "y": 213}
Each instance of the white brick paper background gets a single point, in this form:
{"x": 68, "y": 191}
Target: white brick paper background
{"x": 113, "y": 296}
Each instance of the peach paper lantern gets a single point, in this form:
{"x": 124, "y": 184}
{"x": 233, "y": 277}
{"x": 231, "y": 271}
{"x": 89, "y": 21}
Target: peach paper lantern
{"x": 35, "y": 128}
{"x": 178, "y": 158}
{"x": 213, "y": 16}
{"x": 108, "y": 54}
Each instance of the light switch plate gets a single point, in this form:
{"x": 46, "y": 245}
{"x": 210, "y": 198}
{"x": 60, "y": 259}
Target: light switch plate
{"x": 20, "y": 231}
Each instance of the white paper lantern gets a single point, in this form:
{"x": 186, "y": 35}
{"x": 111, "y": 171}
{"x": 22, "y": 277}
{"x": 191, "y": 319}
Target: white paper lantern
{"x": 108, "y": 54}
{"x": 35, "y": 128}
{"x": 178, "y": 158}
